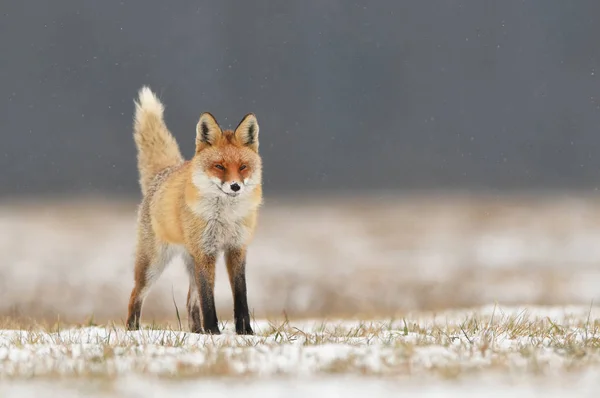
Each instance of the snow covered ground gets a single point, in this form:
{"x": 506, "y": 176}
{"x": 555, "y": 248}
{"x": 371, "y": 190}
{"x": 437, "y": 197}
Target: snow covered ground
{"x": 417, "y": 274}
{"x": 334, "y": 387}
{"x": 528, "y": 351}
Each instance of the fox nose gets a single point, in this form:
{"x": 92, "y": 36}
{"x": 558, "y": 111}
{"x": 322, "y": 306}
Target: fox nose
{"x": 235, "y": 187}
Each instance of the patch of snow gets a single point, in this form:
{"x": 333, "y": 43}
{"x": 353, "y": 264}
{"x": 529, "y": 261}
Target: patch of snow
{"x": 585, "y": 385}
{"x": 314, "y": 347}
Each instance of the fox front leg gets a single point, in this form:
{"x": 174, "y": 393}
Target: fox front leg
{"x": 205, "y": 281}
{"x": 236, "y": 268}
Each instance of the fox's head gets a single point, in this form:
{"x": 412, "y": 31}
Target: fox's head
{"x": 227, "y": 162}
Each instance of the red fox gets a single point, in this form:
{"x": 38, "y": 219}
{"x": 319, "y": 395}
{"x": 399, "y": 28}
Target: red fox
{"x": 196, "y": 209}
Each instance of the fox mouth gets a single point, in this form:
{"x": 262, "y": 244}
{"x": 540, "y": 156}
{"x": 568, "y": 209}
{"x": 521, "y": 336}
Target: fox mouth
{"x": 231, "y": 194}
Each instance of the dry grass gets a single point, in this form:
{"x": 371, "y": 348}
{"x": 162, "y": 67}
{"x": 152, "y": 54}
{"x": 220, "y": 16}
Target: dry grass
{"x": 541, "y": 341}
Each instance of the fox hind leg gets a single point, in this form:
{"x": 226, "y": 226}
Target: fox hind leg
{"x": 193, "y": 298}
{"x": 137, "y": 293}
{"x": 146, "y": 273}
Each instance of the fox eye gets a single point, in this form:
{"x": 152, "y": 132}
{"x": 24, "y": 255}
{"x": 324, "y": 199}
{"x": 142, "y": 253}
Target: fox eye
{"x": 242, "y": 167}
{"x": 219, "y": 166}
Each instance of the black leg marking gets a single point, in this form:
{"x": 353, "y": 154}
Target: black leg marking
{"x": 133, "y": 321}
{"x": 193, "y": 309}
{"x": 207, "y": 304}
{"x": 236, "y": 267}
{"x": 196, "y": 321}
{"x": 240, "y": 304}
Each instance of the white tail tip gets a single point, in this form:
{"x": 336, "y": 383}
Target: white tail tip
{"x": 149, "y": 102}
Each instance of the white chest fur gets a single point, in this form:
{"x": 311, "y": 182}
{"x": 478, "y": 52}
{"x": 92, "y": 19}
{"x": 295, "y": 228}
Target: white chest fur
{"x": 224, "y": 218}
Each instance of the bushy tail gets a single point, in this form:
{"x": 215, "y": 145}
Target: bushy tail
{"x": 156, "y": 146}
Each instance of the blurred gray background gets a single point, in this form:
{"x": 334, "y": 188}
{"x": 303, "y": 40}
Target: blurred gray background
{"x": 350, "y": 95}
{"x": 459, "y": 106}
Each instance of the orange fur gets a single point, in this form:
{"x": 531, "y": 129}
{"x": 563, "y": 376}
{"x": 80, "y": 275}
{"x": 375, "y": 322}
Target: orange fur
{"x": 197, "y": 208}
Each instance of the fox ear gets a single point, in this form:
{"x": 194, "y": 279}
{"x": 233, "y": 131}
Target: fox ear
{"x": 247, "y": 131}
{"x": 207, "y": 131}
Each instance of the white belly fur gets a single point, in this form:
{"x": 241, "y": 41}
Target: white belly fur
{"x": 224, "y": 218}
